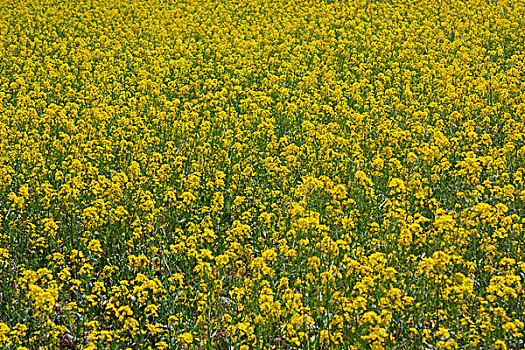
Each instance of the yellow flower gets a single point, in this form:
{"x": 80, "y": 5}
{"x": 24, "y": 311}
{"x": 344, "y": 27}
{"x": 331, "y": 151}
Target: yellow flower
{"x": 162, "y": 345}
{"x": 4, "y": 331}
{"x": 186, "y": 339}
{"x": 500, "y": 345}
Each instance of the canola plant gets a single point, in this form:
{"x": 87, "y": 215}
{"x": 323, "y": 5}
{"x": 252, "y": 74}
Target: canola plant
{"x": 262, "y": 174}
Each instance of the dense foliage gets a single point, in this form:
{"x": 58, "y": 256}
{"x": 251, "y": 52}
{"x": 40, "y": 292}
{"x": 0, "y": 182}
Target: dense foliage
{"x": 260, "y": 174}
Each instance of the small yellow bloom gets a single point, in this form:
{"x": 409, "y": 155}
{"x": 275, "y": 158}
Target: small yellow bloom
{"x": 186, "y": 339}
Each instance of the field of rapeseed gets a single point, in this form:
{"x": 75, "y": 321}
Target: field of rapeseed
{"x": 258, "y": 174}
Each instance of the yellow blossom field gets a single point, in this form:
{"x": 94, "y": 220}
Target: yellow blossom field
{"x": 262, "y": 174}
